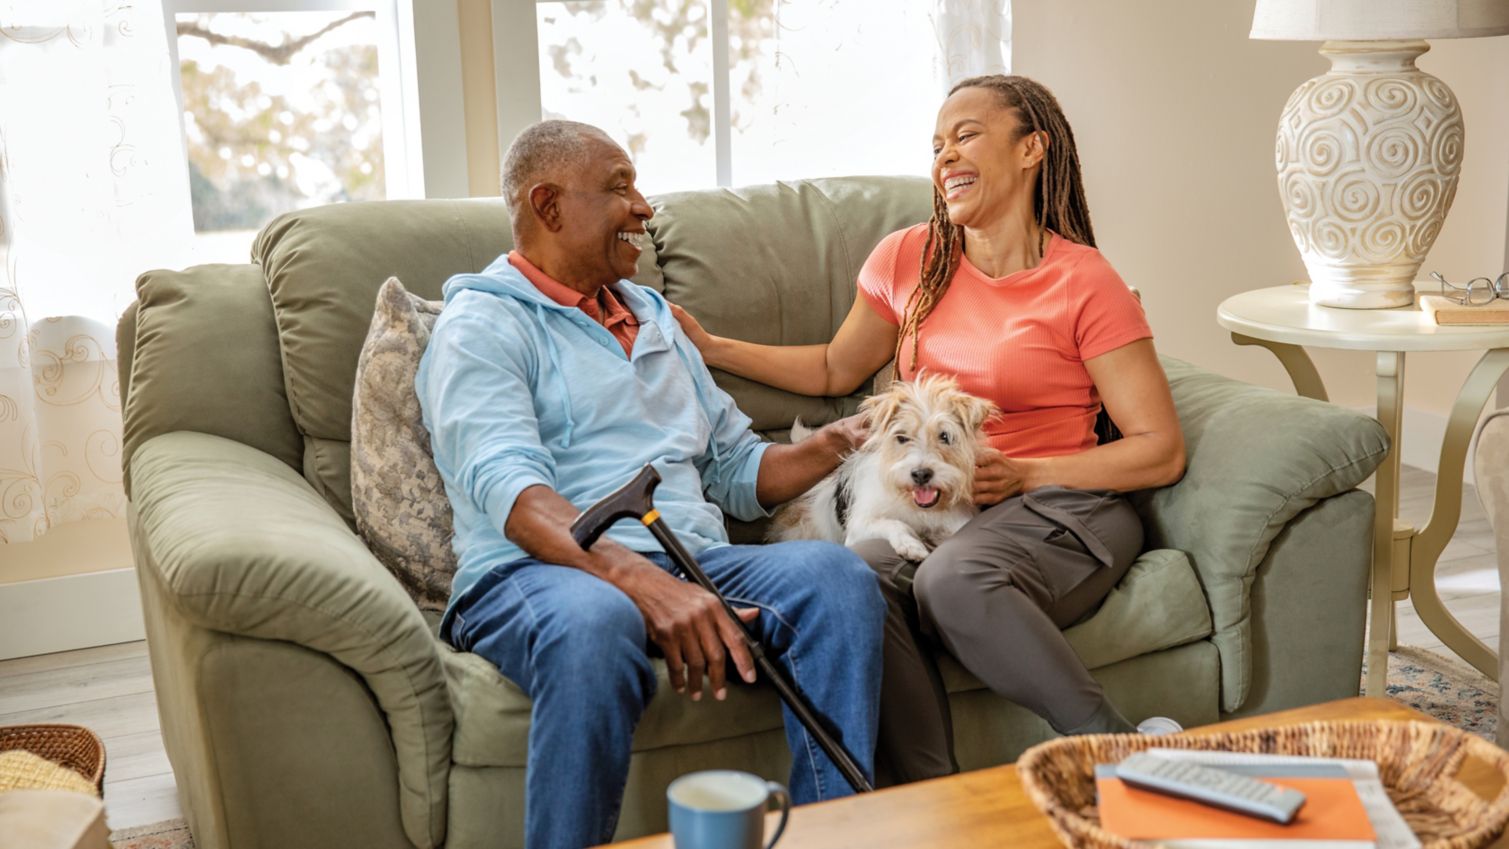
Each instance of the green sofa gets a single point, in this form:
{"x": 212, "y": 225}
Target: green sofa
{"x": 306, "y": 701}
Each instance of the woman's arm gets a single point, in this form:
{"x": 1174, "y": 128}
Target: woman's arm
{"x": 1150, "y": 453}
{"x": 863, "y": 344}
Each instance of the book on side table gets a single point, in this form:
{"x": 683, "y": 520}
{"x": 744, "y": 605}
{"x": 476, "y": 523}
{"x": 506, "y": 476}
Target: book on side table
{"x": 1447, "y": 311}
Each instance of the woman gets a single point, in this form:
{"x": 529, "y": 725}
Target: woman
{"x": 1004, "y": 290}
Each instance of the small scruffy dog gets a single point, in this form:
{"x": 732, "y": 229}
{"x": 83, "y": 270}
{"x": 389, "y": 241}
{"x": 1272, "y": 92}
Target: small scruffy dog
{"x": 909, "y": 483}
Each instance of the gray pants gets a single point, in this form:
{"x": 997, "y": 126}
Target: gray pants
{"x": 996, "y": 596}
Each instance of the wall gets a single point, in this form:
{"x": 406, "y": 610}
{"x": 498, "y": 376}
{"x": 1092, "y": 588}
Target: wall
{"x": 1175, "y": 111}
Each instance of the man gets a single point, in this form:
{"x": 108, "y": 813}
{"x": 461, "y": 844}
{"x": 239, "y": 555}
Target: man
{"x": 550, "y": 379}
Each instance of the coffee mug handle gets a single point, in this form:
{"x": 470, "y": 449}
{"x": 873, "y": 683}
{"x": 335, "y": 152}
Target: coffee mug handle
{"x": 779, "y": 794}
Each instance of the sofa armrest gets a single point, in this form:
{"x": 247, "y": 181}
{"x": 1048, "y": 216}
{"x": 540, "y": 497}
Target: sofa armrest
{"x": 241, "y": 544}
{"x": 1256, "y": 459}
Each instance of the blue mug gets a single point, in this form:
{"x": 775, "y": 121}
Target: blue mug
{"x": 724, "y": 809}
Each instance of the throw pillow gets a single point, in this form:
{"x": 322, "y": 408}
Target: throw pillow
{"x": 401, "y": 508}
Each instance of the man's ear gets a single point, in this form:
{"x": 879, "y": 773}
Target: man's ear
{"x": 545, "y": 204}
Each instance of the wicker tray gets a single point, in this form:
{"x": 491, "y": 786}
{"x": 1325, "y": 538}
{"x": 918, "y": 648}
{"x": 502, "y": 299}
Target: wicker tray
{"x": 1418, "y": 762}
{"x": 73, "y": 746}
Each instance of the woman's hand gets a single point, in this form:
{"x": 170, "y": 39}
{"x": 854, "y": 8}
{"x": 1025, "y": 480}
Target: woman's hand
{"x": 997, "y": 477}
{"x": 704, "y": 341}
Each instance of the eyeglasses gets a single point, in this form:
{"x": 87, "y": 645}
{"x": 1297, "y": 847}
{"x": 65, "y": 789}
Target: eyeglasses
{"x": 1477, "y": 292}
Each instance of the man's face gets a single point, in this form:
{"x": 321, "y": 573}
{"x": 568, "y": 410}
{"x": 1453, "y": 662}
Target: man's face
{"x": 603, "y": 215}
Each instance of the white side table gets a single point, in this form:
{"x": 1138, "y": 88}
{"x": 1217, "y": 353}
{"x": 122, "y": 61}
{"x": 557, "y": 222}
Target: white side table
{"x": 1283, "y": 320}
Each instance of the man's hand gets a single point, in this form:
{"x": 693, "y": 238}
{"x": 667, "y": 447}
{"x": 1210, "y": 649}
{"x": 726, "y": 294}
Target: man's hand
{"x": 846, "y": 434}
{"x": 787, "y": 471}
{"x": 691, "y": 628}
{"x": 997, "y": 477}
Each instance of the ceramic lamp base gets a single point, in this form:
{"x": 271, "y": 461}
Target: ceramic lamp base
{"x": 1368, "y": 157}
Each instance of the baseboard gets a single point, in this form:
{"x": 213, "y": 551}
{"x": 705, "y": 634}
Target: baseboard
{"x": 71, "y": 612}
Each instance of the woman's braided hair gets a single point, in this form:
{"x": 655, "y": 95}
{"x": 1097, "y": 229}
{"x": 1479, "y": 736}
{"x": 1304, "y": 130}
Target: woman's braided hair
{"x": 1058, "y": 200}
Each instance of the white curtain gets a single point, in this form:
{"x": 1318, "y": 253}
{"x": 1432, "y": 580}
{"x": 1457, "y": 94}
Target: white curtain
{"x": 974, "y": 38}
{"x": 93, "y": 191}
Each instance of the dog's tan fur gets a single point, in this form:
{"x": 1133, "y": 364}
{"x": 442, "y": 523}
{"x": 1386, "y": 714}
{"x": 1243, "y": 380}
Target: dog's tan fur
{"x": 929, "y": 427}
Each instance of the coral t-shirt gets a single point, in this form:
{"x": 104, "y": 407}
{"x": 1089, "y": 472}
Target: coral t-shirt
{"x": 1020, "y": 340}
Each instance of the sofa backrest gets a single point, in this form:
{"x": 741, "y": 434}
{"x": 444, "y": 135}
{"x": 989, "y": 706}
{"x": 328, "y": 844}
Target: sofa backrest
{"x": 199, "y": 351}
{"x": 772, "y": 264}
{"x": 777, "y": 264}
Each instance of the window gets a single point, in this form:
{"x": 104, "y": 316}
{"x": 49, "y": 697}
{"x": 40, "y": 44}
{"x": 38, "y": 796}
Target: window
{"x": 285, "y": 104}
{"x": 734, "y": 92}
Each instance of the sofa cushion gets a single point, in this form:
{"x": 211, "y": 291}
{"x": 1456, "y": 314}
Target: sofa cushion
{"x": 777, "y": 265}
{"x": 1256, "y": 459}
{"x": 399, "y": 500}
{"x": 1157, "y": 605}
{"x": 323, "y": 268}
{"x": 184, "y": 375}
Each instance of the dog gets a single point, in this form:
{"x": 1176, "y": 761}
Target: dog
{"x": 909, "y": 483}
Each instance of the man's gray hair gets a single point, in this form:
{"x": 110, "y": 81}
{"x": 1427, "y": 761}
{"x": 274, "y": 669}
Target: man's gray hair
{"x": 540, "y": 149}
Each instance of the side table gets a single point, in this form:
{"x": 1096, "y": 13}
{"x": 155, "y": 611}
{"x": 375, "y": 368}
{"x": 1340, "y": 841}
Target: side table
{"x": 1283, "y": 320}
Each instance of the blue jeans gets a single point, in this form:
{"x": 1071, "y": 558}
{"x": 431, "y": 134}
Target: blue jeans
{"x": 577, "y": 645}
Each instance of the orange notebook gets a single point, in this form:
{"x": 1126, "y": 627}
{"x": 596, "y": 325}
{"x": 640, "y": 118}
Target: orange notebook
{"x": 1332, "y": 811}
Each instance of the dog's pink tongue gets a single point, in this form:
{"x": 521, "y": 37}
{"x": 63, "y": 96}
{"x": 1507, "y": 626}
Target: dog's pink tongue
{"x": 925, "y": 496}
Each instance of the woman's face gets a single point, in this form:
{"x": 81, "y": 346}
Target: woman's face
{"x": 980, "y": 167}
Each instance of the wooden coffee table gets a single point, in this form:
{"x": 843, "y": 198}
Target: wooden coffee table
{"x": 989, "y": 807}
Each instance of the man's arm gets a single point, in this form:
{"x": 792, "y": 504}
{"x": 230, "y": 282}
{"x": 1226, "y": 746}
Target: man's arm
{"x": 486, "y": 442}
{"x": 787, "y": 471}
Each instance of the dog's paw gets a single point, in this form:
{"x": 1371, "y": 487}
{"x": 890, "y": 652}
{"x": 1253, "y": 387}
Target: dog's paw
{"x": 909, "y": 547}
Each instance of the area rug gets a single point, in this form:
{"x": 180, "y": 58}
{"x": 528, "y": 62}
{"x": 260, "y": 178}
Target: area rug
{"x": 168, "y": 834}
{"x": 1438, "y": 686}
{"x": 1445, "y": 688}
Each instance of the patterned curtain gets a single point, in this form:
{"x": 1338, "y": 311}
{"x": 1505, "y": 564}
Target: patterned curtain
{"x": 974, "y": 38}
{"x": 93, "y": 191}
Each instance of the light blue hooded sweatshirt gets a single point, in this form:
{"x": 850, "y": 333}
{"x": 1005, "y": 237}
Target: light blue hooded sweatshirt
{"x": 518, "y": 390}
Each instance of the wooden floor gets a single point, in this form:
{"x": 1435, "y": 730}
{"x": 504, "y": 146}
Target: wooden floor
{"x": 109, "y": 689}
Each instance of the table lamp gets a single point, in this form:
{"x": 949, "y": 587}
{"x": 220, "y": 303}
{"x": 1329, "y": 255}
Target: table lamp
{"x": 1369, "y": 152}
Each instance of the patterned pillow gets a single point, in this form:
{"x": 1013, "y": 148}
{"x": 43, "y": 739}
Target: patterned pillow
{"x": 401, "y": 508}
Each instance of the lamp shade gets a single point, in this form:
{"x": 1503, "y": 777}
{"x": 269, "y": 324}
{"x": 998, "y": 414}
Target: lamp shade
{"x": 1377, "y": 20}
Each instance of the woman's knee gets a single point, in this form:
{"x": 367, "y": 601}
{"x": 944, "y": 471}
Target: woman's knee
{"x": 953, "y": 577}
{"x": 878, "y": 554}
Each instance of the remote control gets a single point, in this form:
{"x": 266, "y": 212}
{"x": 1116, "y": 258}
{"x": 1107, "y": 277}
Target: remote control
{"x": 1210, "y": 786}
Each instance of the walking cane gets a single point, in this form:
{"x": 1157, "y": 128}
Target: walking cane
{"x": 635, "y": 499}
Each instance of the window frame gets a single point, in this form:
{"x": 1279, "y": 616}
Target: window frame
{"x": 403, "y": 166}
{"x": 516, "y": 36}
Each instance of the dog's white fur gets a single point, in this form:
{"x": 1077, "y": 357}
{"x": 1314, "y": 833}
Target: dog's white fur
{"x": 924, "y": 437}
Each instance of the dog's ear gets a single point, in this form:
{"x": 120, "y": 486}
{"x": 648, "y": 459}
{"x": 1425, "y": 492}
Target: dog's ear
{"x": 977, "y": 411}
{"x": 880, "y": 409}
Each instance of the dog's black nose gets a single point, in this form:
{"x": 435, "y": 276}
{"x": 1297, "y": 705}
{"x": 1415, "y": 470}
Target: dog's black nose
{"x": 921, "y": 476}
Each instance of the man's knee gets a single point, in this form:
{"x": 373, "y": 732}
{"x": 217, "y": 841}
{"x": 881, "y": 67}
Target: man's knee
{"x": 848, "y": 581}
{"x": 600, "y": 626}
{"x": 835, "y": 578}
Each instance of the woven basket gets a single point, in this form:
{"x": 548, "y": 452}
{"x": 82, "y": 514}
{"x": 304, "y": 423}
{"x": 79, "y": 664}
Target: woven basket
{"x": 72, "y": 746}
{"x": 1418, "y": 762}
